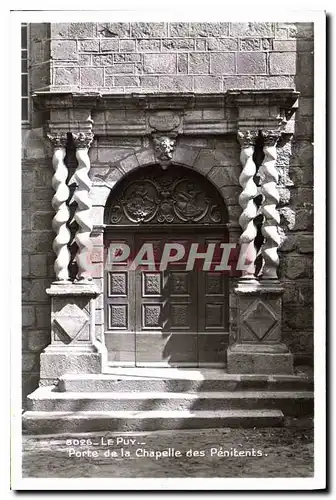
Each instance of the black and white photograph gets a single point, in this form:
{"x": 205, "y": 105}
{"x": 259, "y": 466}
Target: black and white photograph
{"x": 172, "y": 246}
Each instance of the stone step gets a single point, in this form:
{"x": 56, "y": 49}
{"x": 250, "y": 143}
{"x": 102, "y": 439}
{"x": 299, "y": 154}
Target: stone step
{"x": 180, "y": 381}
{"x": 40, "y": 422}
{"x": 292, "y": 403}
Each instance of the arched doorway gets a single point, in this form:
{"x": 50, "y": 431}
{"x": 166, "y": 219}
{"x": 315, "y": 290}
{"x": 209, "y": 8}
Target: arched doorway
{"x": 160, "y": 313}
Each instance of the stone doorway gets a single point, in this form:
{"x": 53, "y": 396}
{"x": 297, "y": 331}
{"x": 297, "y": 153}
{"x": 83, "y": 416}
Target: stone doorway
{"x": 174, "y": 316}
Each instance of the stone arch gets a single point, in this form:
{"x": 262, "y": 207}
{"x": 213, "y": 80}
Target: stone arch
{"x": 166, "y": 191}
{"x": 205, "y": 161}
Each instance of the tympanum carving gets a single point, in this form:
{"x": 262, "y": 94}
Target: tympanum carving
{"x": 162, "y": 197}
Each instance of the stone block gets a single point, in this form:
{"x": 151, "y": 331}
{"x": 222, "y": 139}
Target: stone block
{"x": 222, "y": 44}
{"x": 28, "y": 181}
{"x": 127, "y": 57}
{"x": 149, "y": 82}
{"x": 298, "y": 317}
{"x": 176, "y": 83}
{"x": 129, "y": 163}
{"x": 282, "y": 63}
{"x": 26, "y": 221}
{"x": 38, "y": 265}
{"x": 29, "y": 362}
{"x": 38, "y": 339}
{"x": 252, "y": 29}
{"x": 238, "y": 82}
{"x": 120, "y": 69}
{"x": 267, "y": 43}
{"x": 117, "y": 30}
{"x": 305, "y": 63}
{"x": 301, "y": 30}
{"x": 89, "y": 45}
{"x": 178, "y": 44}
{"x": 54, "y": 364}
{"x": 179, "y": 29}
{"x": 64, "y": 50}
{"x": 43, "y": 316}
{"x": 223, "y": 64}
{"x": 66, "y": 76}
{"x": 92, "y": 77}
{"x": 144, "y": 157}
{"x": 225, "y": 176}
{"x": 148, "y": 45}
{"x": 148, "y": 30}
{"x": 200, "y": 44}
{"x": 185, "y": 156}
{"x": 25, "y": 266}
{"x": 251, "y": 63}
{"x": 209, "y": 29}
{"x": 58, "y": 30}
{"x": 285, "y": 45}
{"x": 127, "y": 81}
{"x": 250, "y": 44}
{"x": 82, "y": 30}
{"x": 102, "y": 60}
{"x": 109, "y": 45}
{"x": 296, "y": 266}
{"x": 43, "y": 220}
{"x": 182, "y": 63}
{"x": 305, "y": 243}
{"x": 271, "y": 363}
{"x": 207, "y": 84}
{"x": 198, "y": 63}
{"x": 28, "y": 315}
{"x": 159, "y": 63}
{"x": 304, "y": 219}
{"x": 127, "y": 45}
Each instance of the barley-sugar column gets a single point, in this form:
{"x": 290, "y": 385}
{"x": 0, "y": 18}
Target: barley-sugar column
{"x": 73, "y": 347}
{"x": 257, "y": 345}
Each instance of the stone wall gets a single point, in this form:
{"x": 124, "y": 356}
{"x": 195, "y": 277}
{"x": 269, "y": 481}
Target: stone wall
{"x": 174, "y": 57}
{"x": 178, "y": 57}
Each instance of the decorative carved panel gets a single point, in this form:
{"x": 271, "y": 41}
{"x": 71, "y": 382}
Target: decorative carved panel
{"x": 179, "y": 316}
{"x": 179, "y": 283}
{"x": 214, "y": 315}
{"x": 214, "y": 283}
{"x": 152, "y": 316}
{"x": 176, "y": 196}
{"x": 151, "y": 284}
{"x": 117, "y": 284}
{"x": 118, "y": 316}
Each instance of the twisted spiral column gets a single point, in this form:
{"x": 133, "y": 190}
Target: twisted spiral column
{"x": 83, "y": 212}
{"x": 269, "y": 179}
{"x": 59, "y": 204}
{"x": 246, "y": 201}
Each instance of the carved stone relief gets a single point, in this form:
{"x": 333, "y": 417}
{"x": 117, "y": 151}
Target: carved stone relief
{"x": 166, "y": 197}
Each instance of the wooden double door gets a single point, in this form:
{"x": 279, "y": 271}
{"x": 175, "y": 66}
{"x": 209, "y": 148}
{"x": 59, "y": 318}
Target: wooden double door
{"x": 171, "y": 317}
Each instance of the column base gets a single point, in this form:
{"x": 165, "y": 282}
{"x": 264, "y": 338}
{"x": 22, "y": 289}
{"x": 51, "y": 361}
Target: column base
{"x": 259, "y": 359}
{"x": 56, "y": 361}
{"x": 73, "y": 348}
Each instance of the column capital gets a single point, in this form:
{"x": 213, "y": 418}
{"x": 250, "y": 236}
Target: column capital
{"x": 82, "y": 140}
{"x": 247, "y": 138}
{"x": 271, "y": 136}
{"x": 58, "y": 140}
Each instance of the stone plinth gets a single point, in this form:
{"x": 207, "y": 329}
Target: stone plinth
{"x": 258, "y": 346}
{"x": 73, "y": 347}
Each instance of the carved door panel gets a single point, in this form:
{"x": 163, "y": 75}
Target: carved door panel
{"x": 166, "y": 310}
{"x": 120, "y": 305}
{"x": 213, "y": 296}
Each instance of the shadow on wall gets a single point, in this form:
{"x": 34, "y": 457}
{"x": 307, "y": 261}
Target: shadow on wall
{"x": 296, "y": 204}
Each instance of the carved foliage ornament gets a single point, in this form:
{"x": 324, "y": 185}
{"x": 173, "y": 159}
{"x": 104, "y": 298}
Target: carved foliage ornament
{"x": 166, "y": 198}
